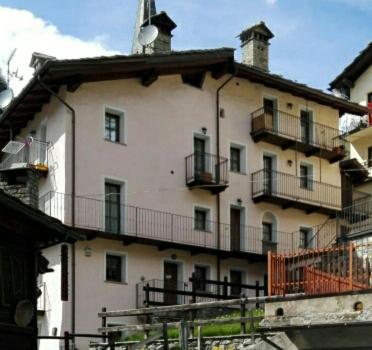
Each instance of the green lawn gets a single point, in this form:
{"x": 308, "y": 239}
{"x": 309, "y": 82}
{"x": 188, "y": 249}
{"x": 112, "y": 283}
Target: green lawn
{"x": 207, "y": 330}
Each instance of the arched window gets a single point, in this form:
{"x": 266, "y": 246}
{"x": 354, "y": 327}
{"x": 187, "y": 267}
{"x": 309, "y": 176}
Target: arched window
{"x": 269, "y": 227}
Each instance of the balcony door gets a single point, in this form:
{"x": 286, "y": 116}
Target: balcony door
{"x": 270, "y": 111}
{"x": 200, "y": 157}
{"x": 235, "y": 228}
{"x": 306, "y": 125}
{"x": 268, "y": 175}
{"x": 112, "y": 207}
{"x": 170, "y": 282}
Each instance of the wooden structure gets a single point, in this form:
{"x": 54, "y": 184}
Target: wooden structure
{"x": 341, "y": 268}
{"x": 24, "y": 231}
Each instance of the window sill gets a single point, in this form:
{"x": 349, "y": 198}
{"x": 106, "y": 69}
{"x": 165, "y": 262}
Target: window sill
{"x": 115, "y": 143}
{"x": 238, "y": 172}
{"x": 202, "y": 231}
{"x": 118, "y": 283}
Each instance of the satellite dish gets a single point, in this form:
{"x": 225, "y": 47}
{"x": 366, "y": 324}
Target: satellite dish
{"x": 6, "y": 97}
{"x": 148, "y": 35}
{"x": 24, "y": 313}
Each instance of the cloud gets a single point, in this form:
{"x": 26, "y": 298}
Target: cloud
{"x": 22, "y": 30}
{"x": 271, "y": 2}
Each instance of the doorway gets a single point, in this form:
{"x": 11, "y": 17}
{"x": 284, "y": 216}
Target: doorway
{"x": 235, "y": 228}
{"x": 269, "y": 105}
{"x": 170, "y": 282}
{"x": 268, "y": 167}
{"x": 236, "y": 278}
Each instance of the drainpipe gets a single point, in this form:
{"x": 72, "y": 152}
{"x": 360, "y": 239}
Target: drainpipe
{"x": 218, "y": 198}
{"x": 73, "y": 195}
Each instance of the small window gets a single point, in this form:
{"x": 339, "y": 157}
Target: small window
{"x": 202, "y": 219}
{"x": 267, "y": 232}
{"x": 305, "y": 237}
{"x": 235, "y": 160}
{"x": 112, "y": 127}
{"x": 306, "y": 176}
{"x": 115, "y": 268}
{"x": 201, "y": 275}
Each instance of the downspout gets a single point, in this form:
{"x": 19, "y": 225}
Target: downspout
{"x": 73, "y": 195}
{"x": 218, "y": 198}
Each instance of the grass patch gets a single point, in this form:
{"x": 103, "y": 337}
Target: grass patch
{"x": 210, "y": 330}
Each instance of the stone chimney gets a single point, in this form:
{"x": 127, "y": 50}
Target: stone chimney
{"x": 147, "y": 13}
{"x": 255, "y": 46}
{"x": 39, "y": 59}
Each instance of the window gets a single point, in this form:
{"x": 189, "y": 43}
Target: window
{"x": 305, "y": 237}
{"x": 112, "y": 127}
{"x": 235, "y": 159}
{"x": 369, "y": 161}
{"x": 306, "y": 176}
{"x": 112, "y": 207}
{"x": 202, "y": 275}
{"x": 267, "y": 232}
{"x": 369, "y": 97}
{"x": 116, "y": 265}
{"x": 202, "y": 219}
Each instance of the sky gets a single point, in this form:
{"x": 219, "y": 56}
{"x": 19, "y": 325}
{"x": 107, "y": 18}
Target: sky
{"x": 314, "y": 39}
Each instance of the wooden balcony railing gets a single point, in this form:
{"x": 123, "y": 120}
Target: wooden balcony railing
{"x": 153, "y": 226}
{"x": 298, "y": 192}
{"x": 290, "y": 131}
{"x": 207, "y": 171}
{"x": 341, "y": 268}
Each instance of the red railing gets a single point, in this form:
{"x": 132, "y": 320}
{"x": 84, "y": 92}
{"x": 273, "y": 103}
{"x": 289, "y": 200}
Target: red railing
{"x": 340, "y": 268}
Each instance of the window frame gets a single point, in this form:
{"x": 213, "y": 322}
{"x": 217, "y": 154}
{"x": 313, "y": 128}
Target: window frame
{"x": 207, "y": 220}
{"x": 122, "y": 124}
{"x": 208, "y": 272}
{"x": 306, "y": 184}
{"x": 237, "y": 162}
{"x": 267, "y": 224}
{"x": 124, "y": 266}
{"x": 309, "y": 233}
{"x": 242, "y": 148}
{"x": 120, "y": 218}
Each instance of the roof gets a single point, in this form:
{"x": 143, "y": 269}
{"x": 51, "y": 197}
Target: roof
{"x": 49, "y": 230}
{"x": 259, "y": 27}
{"x": 354, "y": 70}
{"x": 147, "y": 68}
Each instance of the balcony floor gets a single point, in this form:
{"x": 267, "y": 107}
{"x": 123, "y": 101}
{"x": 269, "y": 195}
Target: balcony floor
{"x": 289, "y": 143}
{"x": 287, "y": 202}
{"x": 212, "y": 187}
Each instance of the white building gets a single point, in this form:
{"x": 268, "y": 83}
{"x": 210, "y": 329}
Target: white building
{"x": 180, "y": 162}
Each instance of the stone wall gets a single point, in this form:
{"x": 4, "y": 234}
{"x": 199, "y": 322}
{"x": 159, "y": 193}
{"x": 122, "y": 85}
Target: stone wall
{"x": 23, "y": 186}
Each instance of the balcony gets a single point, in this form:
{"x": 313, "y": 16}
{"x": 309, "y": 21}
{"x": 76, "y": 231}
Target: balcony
{"x": 166, "y": 230}
{"x": 207, "y": 171}
{"x": 27, "y": 155}
{"x": 291, "y": 191}
{"x": 290, "y": 132}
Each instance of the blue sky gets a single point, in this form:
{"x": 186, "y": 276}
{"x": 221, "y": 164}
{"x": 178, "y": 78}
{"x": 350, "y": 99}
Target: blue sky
{"x": 314, "y": 39}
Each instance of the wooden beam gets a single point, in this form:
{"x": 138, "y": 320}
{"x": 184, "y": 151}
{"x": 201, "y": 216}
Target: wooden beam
{"x": 288, "y": 145}
{"x": 194, "y": 79}
{"x": 219, "y": 70}
{"x": 312, "y": 210}
{"x": 149, "y": 77}
{"x": 312, "y": 151}
{"x": 74, "y": 84}
{"x": 287, "y": 205}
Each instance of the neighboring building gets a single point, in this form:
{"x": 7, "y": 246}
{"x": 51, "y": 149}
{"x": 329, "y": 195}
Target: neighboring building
{"x": 355, "y": 83}
{"x": 184, "y": 162}
{"x": 24, "y": 232}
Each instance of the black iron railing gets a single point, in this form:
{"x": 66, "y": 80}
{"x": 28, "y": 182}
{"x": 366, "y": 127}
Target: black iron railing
{"x": 166, "y": 227}
{"x": 160, "y": 292}
{"x": 293, "y": 188}
{"x": 297, "y": 129}
{"x": 205, "y": 169}
{"x": 33, "y": 155}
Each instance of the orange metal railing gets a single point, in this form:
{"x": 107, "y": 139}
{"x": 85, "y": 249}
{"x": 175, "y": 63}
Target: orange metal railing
{"x": 340, "y": 268}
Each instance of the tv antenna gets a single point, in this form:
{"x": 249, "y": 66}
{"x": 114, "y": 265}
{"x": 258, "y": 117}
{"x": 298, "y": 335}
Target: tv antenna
{"x": 13, "y": 74}
{"x": 149, "y": 33}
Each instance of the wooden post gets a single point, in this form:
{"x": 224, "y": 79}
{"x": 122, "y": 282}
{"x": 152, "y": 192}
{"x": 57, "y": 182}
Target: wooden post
{"x": 242, "y": 315}
{"x": 200, "y": 340}
{"x": 193, "y": 288}
{"x": 104, "y": 320}
{"x": 67, "y": 340}
{"x": 225, "y": 282}
{"x": 183, "y": 335}
{"x": 269, "y": 277}
{"x": 111, "y": 341}
{"x": 165, "y": 336}
{"x": 350, "y": 265}
{"x": 251, "y": 326}
{"x": 257, "y": 293}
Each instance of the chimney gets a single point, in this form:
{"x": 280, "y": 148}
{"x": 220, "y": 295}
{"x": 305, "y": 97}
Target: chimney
{"x": 39, "y": 59}
{"x": 255, "y": 46}
{"x": 147, "y": 13}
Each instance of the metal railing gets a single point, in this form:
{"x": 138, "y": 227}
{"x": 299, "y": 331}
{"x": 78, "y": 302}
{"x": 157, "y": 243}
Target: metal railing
{"x": 32, "y": 155}
{"x": 166, "y": 227}
{"x": 281, "y": 185}
{"x": 341, "y": 268}
{"x": 293, "y": 128}
{"x": 206, "y": 169}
